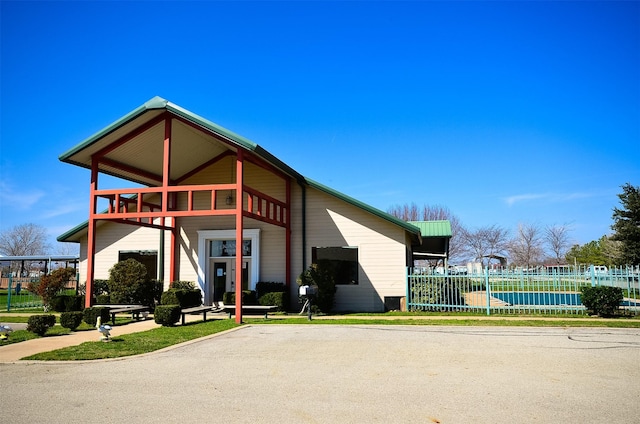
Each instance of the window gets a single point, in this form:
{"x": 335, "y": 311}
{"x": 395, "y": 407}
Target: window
{"x": 342, "y": 261}
{"x": 220, "y": 248}
{"x": 148, "y": 258}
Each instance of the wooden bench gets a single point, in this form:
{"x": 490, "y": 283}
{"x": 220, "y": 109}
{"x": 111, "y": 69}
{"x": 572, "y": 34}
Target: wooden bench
{"x": 196, "y": 310}
{"x": 231, "y": 309}
{"x": 134, "y": 310}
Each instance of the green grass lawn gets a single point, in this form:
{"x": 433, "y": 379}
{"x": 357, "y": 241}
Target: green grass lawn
{"x": 136, "y": 343}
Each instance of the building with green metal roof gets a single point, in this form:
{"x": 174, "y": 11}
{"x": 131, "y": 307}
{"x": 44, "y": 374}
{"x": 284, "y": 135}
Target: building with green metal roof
{"x": 193, "y": 191}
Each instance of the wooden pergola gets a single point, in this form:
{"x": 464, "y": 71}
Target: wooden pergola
{"x": 160, "y": 146}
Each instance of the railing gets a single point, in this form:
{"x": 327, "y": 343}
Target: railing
{"x": 512, "y": 291}
{"x": 188, "y": 200}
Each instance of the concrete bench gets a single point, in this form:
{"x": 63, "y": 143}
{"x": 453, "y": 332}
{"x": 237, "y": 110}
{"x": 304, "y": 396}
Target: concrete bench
{"x": 231, "y": 309}
{"x": 196, "y": 310}
{"x": 134, "y": 310}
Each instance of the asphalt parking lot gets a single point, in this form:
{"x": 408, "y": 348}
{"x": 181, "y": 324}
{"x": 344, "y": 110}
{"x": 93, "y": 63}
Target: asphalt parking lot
{"x": 346, "y": 374}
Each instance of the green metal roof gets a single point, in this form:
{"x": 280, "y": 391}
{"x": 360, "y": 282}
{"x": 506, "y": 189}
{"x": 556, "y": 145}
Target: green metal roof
{"x": 433, "y": 228}
{"x": 73, "y": 156}
{"x": 154, "y": 104}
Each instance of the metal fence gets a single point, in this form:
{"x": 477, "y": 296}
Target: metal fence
{"x": 540, "y": 291}
{"x": 14, "y": 294}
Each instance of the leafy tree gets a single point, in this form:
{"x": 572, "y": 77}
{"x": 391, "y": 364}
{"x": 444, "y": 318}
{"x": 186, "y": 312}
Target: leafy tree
{"x": 51, "y": 284}
{"x": 627, "y": 224}
{"x": 596, "y": 252}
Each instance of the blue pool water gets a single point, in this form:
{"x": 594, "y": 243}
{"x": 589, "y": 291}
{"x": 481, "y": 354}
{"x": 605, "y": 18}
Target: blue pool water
{"x": 546, "y": 298}
{"x": 539, "y": 298}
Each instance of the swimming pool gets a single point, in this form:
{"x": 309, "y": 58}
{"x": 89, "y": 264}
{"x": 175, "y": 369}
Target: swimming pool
{"x": 539, "y": 298}
{"x": 548, "y": 299}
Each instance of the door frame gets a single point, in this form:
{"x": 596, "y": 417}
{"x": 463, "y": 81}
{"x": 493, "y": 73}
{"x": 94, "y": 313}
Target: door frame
{"x": 205, "y": 236}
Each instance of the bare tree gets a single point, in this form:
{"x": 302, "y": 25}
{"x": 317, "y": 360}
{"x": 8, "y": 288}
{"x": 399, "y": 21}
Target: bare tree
{"x": 411, "y": 212}
{"x": 24, "y": 240}
{"x": 526, "y": 247}
{"x": 406, "y": 212}
{"x": 486, "y": 242}
{"x": 557, "y": 240}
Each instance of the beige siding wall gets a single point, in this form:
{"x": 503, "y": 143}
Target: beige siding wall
{"x": 381, "y": 248}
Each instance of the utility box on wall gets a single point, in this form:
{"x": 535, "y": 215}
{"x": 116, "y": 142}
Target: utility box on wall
{"x": 395, "y": 303}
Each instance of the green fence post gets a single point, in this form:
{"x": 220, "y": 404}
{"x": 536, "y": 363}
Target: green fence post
{"x": 486, "y": 285}
{"x": 9, "y": 294}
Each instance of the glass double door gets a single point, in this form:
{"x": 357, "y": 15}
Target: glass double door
{"x": 223, "y": 275}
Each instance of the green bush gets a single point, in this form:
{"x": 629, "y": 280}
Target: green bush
{"x": 66, "y": 303}
{"x": 90, "y": 315}
{"x": 167, "y": 315}
{"x": 100, "y": 287}
{"x": 130, "y": 284}
{"x": 263, "y": 287}
{"x": 280, "y": 299}
{"x": 320, "y": 276}
{"x": 184, "y": 298}
{"x": 71, "y": 320}
{"x": 39, "y": 324}
{"x": 103, "y": 299}
{"x": 602, "y": 300}
{"x": 248, "y": 298}
{"x": 184, "y": 285}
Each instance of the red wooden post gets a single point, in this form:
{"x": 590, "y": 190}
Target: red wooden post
{"x": 91, "y": 234}
{"x": 239, "y": 231}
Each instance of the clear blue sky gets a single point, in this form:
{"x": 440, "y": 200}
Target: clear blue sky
{"x": 504, "y": 112}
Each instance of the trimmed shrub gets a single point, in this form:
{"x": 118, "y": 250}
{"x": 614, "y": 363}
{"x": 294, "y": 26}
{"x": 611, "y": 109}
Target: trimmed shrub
{"x": 66, "y": 303}
{"x": 280, "y": 299}
{"x": 602, "y": 300}
{"x": 167, "y": 315}
{"x": 184, "y": 285}
{"x": 126, "y": 280}
{"x": 263, "y": 288}
{"x": 71, "y": 320}
{"x": 103, "y": 299}
{"x": 90, "y": 315}
{"x": 248, "y": 298}
{"x": 39, "y": 324}
{"x": 184, "y": 298}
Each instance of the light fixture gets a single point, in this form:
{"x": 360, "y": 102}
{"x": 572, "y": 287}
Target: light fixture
{"x": 229, "y": 199}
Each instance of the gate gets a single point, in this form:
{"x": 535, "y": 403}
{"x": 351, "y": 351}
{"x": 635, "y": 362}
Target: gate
{"x": 14, "y": 295}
